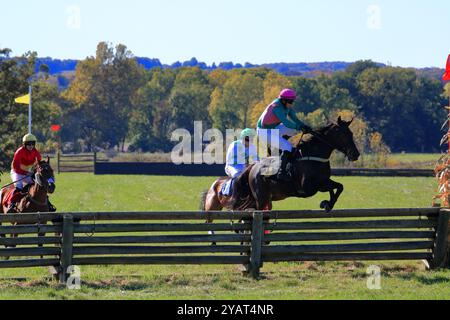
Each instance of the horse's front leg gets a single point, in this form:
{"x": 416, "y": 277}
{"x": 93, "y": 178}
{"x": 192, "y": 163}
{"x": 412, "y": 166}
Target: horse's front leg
{"x": 2, "y": 235}
{"x": 330, "y": 186}
{"x": 41, "y": 235}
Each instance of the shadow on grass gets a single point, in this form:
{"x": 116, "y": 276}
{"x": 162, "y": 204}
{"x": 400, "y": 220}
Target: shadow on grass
{"x": 428, "y": 280}
{"x": 407, "y": 273}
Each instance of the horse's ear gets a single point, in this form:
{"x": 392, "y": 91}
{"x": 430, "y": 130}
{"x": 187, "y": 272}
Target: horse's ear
{"x": 48, "y": 159}
{"x": 343, "y": 123}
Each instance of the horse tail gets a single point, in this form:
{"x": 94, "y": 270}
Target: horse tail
{"x": 203, "y": 196}
{"x": 242, "y": 196}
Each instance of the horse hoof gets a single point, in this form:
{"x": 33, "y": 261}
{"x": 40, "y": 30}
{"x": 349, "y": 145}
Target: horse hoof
{"x": 326, "y": 206}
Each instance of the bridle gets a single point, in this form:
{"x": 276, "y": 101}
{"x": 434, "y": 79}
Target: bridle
{"x": 39, "y": 179}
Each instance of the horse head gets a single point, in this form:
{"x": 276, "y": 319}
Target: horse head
{"x": 340, "y": 137}
{"x": 44, "y": 176}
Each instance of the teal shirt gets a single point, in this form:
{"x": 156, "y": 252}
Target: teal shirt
{"x": 283, "y": 114}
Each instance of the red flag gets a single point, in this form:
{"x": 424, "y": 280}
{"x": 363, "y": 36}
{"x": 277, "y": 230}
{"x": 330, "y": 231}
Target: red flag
{"x": 55, "y": 127}
{"x": 446, "y": 76}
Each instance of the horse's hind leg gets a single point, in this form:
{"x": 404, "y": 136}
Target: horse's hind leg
{"x": 1, "y": 201}
{"x": 211, "y": 203}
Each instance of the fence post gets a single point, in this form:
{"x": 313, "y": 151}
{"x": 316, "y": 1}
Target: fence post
{"x": 256, "y": 247}
{"x": 441, "y": 245}
{"x": 58, "y": 160}
{"x": 66, "y": 247}
{"x": 447, "y": 256}
{"x": 95, "y": 160}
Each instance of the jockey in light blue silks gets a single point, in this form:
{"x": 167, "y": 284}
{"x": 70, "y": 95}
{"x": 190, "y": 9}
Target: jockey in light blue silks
{"x": 240, "y": 154}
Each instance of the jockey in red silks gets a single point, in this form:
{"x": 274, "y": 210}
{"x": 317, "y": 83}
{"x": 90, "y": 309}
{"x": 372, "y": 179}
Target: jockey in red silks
{"x": 278, "y": 120}
{"x": 25, "y": 158}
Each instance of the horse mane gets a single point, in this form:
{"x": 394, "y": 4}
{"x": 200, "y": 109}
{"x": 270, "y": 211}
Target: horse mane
{"x": 308, "y": 138}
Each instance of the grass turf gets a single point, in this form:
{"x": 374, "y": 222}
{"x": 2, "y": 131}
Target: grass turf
{"x": 330, "y": 280}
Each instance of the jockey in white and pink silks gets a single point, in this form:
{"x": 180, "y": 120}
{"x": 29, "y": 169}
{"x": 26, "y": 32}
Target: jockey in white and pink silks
{"x": 278, "y": 120}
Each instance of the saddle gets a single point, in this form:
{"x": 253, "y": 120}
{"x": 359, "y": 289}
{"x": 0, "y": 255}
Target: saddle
{"x": 270, "y": 166}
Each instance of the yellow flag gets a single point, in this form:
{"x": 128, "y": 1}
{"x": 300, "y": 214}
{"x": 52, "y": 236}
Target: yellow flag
{"x": 23, "y": 99}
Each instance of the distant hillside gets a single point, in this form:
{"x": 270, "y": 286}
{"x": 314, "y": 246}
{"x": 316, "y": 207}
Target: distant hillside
{"x": 62, "y": 71}
{"x": 57, "y": 66}
{"x": 309, "y": 70}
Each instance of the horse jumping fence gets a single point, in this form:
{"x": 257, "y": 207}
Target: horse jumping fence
{"x": 241, "y": 238}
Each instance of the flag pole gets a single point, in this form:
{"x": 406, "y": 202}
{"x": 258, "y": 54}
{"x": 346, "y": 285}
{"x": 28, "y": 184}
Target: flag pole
{"x": 29, "y": 111}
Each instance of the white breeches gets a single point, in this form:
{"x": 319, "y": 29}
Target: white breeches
{"x": 20, "y": 184}
{"x": 274, "y": 137}
{"x": 234, "y": 170}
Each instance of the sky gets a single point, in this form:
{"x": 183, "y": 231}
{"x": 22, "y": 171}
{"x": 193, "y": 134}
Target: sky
{"x": 407, "y": 33}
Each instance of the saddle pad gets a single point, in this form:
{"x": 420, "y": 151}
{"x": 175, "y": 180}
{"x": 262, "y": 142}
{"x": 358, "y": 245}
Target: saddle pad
{"x": 227, "y": 188}
{"x": 7, "y": 198}
{"x": 270, "y": 166}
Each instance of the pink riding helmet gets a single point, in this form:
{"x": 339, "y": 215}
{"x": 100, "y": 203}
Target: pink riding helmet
{"x": 288, "y": 94}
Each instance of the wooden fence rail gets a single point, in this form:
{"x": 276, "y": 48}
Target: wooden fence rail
{"x": 83, "y": 162}
{"x": 243, "y": 238}
{"x": 98, "y": 163}
{"x": 214, "y": 170}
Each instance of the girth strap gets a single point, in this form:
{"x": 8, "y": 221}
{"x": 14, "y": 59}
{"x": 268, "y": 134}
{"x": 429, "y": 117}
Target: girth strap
{"x": 314, "y": 159}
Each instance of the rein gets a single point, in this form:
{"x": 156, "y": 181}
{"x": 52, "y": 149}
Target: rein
{"x": 321, "y": 139}
{"x": 10, "y": 184}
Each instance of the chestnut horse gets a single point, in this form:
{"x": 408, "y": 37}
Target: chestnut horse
{"x": 36, "y": 199}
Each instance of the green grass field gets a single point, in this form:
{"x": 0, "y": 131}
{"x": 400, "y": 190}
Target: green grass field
{"x": 86, "y": 192}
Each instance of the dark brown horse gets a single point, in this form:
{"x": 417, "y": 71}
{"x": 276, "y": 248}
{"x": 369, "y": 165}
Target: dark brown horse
{"x": 36, "y": 199}
{"x": 310, "y": 169}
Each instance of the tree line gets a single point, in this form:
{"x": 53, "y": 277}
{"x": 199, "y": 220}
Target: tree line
{"x": 114, "y": 102}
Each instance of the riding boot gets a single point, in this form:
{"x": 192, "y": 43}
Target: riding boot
{"x": 283, "y": 173}
{"x": 11, "y": 208}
